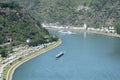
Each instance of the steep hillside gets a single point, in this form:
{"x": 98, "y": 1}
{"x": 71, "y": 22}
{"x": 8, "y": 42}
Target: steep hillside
{"x": 52, "y": 11}
{"x": 105, "y": 12}
{"x": 62, "y": 11}
{"x": 17, "y": 25}
{"x": 95, "y": 13}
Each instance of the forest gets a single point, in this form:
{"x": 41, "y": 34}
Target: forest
{"x": 17, "y": 26}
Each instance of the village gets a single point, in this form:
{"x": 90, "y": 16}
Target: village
{"x": 83, "y": 28}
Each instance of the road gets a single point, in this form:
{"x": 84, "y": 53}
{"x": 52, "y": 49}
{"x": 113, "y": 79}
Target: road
{"x": 23, "y": 52}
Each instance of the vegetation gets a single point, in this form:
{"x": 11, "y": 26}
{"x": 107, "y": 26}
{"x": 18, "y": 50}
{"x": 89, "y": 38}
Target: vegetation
{"x": 3, "y": 52}
{"x": 52, "y": 11}
{"x": 17, "y": 26}
{"x": 96, "y": 13}
{"x": 117, "y": 27}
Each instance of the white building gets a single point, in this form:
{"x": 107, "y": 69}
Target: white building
{"x": 28, "y": 40}
{"x": 85, "y": 26}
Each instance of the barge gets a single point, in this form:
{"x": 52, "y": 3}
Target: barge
{"x": 59, "y": 55}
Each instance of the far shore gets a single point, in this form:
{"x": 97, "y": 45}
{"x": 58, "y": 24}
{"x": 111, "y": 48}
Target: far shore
{"x": 103, "y": 33}
{"x": 89, "y": 31}
{"x": 17, "y": 63}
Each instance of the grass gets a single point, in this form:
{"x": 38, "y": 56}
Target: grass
{"x": 7, "y": 69}
{"x": 8, "y": 72}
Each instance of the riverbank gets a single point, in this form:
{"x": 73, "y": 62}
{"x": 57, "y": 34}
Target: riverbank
{"x": 89, "y": 31}
{"x": 103, "y": 33}
{"x": 8, "y": 72}
{"x": 97, "y": 32}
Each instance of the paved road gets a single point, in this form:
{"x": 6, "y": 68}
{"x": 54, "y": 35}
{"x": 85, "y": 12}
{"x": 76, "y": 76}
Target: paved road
{"x": 22, "y": 53}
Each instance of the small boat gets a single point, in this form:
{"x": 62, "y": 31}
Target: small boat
{"x": 59, "y": 55}
{"x": 65, "y": 32}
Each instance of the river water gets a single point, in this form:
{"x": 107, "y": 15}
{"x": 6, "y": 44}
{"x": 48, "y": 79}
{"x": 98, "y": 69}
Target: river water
{"x": 87, "y": 56}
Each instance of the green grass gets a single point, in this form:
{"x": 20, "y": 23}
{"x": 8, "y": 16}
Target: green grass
{"x": 7, "y": 69}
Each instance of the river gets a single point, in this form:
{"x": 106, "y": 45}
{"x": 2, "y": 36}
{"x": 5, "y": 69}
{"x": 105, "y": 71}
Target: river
{"x": 87, "y": 56}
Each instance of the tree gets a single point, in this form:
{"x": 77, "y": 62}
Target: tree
{"x": 117, "y": 27}
{"x": 3, "y": 52}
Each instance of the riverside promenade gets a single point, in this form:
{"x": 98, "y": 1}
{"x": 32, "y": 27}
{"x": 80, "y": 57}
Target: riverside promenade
{"x": 22, "y": 52}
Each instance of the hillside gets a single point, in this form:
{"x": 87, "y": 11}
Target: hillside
{"x": 52, "y": 11}
{"x": 17, "y": 26}
{"x": 96, "y": 13}
{"x": 105, "y": 12}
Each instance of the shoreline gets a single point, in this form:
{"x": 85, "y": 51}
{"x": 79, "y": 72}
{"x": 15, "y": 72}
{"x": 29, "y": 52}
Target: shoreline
{"x": 18, "y": 63}
{"x": 102, "y": 33}
{"x": 90, "y": 31}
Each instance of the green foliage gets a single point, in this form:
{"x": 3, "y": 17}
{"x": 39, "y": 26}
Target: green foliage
{"x": 17, "y": 24}
{"x": 74, "y": 12}
{"x": 99, "y": 12}
{"x": 15, "y": 43}
{"x": 1, "y": 40}
{"x": 52, "y": 38}
{"x": 3, "y": 52}
{"x": 6, "y": 50}
{"x": 10, "y": 5}
{"x": 117, "y": 27}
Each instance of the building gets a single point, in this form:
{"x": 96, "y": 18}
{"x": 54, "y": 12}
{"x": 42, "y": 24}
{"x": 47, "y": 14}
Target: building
{"x": 85, "y": 26}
